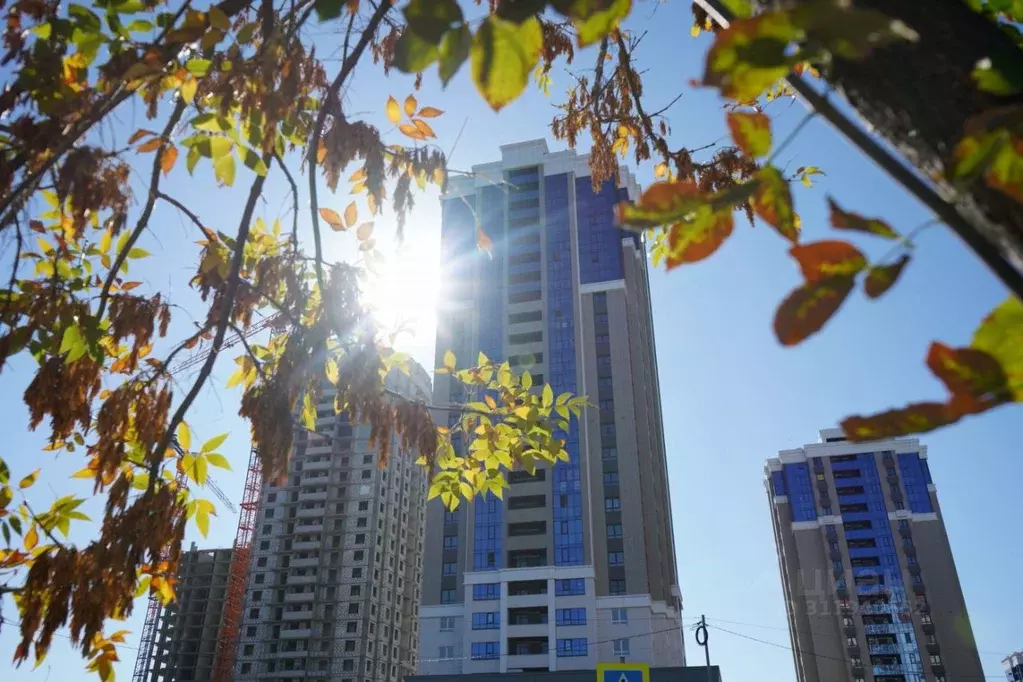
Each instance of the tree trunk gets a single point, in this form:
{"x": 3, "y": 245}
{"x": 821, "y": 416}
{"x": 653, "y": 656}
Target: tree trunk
{"x": 919, "y": 96}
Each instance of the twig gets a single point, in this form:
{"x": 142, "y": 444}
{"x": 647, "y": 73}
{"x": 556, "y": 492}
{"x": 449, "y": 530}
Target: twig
{"x": 907, "y": 240}
{"x": 35, "y": 518}
{"x": 248, "y": 349}
{"x": 791, "y": 136}
{"x": 181, "y": 207}
{"x": 634, "y": 90}
{"x": 294, "y": 202}
{"x": 143, "y": 222}
{"x": 233, "y": 282}
{"x": 330, "y": 101}
{"x": 14, "y": 275}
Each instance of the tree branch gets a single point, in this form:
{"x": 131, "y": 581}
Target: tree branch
{"x": 330, "y": 101}
{"x": 294, "y": 201}
{"x": 181, "y": 207}
{"x": 248, "y": 349}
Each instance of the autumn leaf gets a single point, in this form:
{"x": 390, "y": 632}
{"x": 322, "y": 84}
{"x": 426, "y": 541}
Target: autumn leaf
{"x": 31, "y": 538}
{"x": 424, "y": 127}
{"x": 914, "y": 418}
{"x": 483, "y": 241}
{"x": 692, "y": 241}
{"x": 29, "y": 480}
{"x": 429, "y": 112}
{"x": 751, "y": 55}
{"x": 364, "y": 231}
{"x": 825, "y": 259}
{"x": 806, "y": 173}
{"x": 412, "y": 131}
{"x": 594, "y": 20}
{"x": 167, "y": 158}
{"x": 972, "y": 376}
{"x": 772, "y": 201}
{"x": 139, "y": 134}
{"x": 880, "y": 278}
{"x": 660, "y": 204}
{"x": 851, "y": 221}
{"x": 410, "y": 105}
{"x": 751, "y": 131}
{"x": 393, "y": 110}
{"x": 351, "y": 214}
{"x": 150, "y": 146}
{"x": 808, "y": 308}
{"x": 333, "y": 218}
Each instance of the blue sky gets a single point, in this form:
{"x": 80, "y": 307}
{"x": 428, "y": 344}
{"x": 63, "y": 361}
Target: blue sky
{"x": 732, "y": 396}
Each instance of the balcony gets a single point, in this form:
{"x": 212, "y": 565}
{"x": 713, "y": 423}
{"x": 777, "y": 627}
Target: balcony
{"x": 521, "y": 588}
{"x": 303, "y": 633}
{"x": 309, "y": 527}
{"x": 297, "y": 615}
{"x": 892, "y": 670}
{"x": 307, "y": 545}
{"x": 301, "y": 579}
{"x": 313, "y": 497}
{"x": 314, "y": 513}
{"x": 883, "y": 649}
{"x": 325, "y": 449}
{"x": 322, "y": 465}
{"x": 299, "y": 597}
{"x": 527, "y": 646}
{"x": 527, "y": 558}
{"x": 535, "y": 615}
{"x": 305, "y": 563}
{"x": 879, "y": 628}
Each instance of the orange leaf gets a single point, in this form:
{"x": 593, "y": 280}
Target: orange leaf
{"x": 333, "y": 219}
{"x": 128, "y": 286}
{"x": 364, "y": 231}
{"x": 881, "y": 278}
{"x": 412, "y": 131}
{"x": 139, "y": 134}
{"x": 914, "y": 418}
{"x": 321, "y": 153}
{"x": 695, "y": 240}
{"x": 483, "y": 241}
{"x": 830, "y": 258}
{"x": 410, "y": 105}
{"x": 150, "y": 146}
{"x": 424, "y": 127}
{"x": 393, "y": 110}
{"x": 808, "y": 308}
{"x": 429, "y": 112}
{"x": 772, "y": 201}
{"x": 851, "y": 221}
{"x": 973, "y": 376}
{"x": 660, "y": 204}
{"x": 167, "y": 158}
{"x": 358, "y": 176}
{"x": 351, "y": 214}
{"x": 751, "y": 131}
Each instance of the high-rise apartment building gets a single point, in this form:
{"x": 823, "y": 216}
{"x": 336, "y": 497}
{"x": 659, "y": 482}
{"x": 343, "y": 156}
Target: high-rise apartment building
{"x": 183, "y": 641}
{"x": 870, "y": 585}
{"x": 577, "y": 563}
{"x": 336, "y": 564}
{"x": 1013, "y": 664}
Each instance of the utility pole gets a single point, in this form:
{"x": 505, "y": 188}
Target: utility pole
{"x": 703, "y": 639}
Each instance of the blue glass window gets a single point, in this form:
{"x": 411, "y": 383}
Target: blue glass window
{"x": 571, "y": 616}
{"x": 575, "y": 646}
{"x": 487, "y": 533}
{"x": 600, "y": 241}
{"x": 490, "y": 620}
{"x": 447, "y": 596}
{"x": 616, "y": 558}
{"x": 482, "y": 651}
{"x": 914, "y": 479}
{"x": 485, "y": 591}
{"x": 800, "y": 492}
{"x": 779, "y": 482}
{"x": 571, "y": 586}
{"x": 450, "y": 542}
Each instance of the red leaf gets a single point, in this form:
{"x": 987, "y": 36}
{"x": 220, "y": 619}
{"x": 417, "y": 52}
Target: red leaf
{"x": 852, "y": 221}
{"x": 695, "y": 240}
{"x": 808, "y": 308}
{"x": 821, "y": 260}
{"x": 914, "y": 418}
{"x": 881, "y": 278}
{"x": 975, "y": 379}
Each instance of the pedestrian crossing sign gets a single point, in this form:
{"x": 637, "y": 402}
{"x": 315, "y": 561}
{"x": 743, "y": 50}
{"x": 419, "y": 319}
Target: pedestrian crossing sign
{"x": 623, "y": 672}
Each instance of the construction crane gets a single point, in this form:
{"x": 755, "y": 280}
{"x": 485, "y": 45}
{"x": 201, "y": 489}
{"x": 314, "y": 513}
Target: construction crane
{"x": 235, "y": 596}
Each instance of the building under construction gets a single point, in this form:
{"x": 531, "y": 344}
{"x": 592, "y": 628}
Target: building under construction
{"x": 324, "y": 578}
{"x": 181, "y": 644}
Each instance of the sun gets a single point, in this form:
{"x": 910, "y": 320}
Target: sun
{"x": 402, "y": 293}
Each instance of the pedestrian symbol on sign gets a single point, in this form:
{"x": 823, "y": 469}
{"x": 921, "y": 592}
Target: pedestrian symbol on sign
{"x": 623, "y": 672}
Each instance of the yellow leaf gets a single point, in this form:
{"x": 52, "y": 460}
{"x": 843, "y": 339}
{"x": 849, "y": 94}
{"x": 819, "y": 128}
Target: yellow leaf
{"x": 184, "y": 437}
{"x": 393, "y": 111}
{"x": 424, "y": 127}
{"x": 29, "y": 480}
{"x": 410, "y": 105}
{"x": 333, "y": 374}
{"x": 358, "y": 176}
{"x": 31, "y": 538}
{"x": 491, "y": 403}
{"x": 333, "y": 219}
{"x": 412, "y": 131}
{"x": 351, "y": 214}
{"x": 364, "y": 231}
{"x": 449, "y": 361}
{"x": 429, "y": 112}
{"x": 188, "y": 89}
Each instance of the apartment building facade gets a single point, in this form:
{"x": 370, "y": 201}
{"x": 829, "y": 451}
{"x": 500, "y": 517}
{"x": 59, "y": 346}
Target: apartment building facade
{"x": 867, "y": 571}
{"x": 576, "y": 564}
{"x": 184, "y": 639}
{"x": 336, "y": 565}
{"x": 1013, "y": 665}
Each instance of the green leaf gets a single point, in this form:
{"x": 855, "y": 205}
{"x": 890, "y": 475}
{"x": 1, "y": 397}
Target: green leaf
{"x": 740, "y": 9}
{"x": 847, "y": 31}
{"x": 218, "y": 460}
{"x": 73, "y": 343}
{"x": 431, "y": 19}
{"x": 224, "y": 169}
{"x": 213, "y": 123}
{"x": 255, "y": 162}
{"x": 213, "y": 443}
{"x": 413, "y": 53}
{"x": 503, "y": 55}
{"x": 43, "y": 31}
{"x": 548, "y": 395}
{"x": 1001, "y": 336}
{"x": 136, "y": 253}
{"x": 192, "y": 158}
{"x": 454, "y": 50}
{"x": 751, "y": 131}
{"x": 139, "y": 26}
{"x": 198, "y": 67}
{"x": 594, "y": 20}
{"x": 851, "y": 221}
{"x": 999, "y": 81}
{"x": 751, "y": 55}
